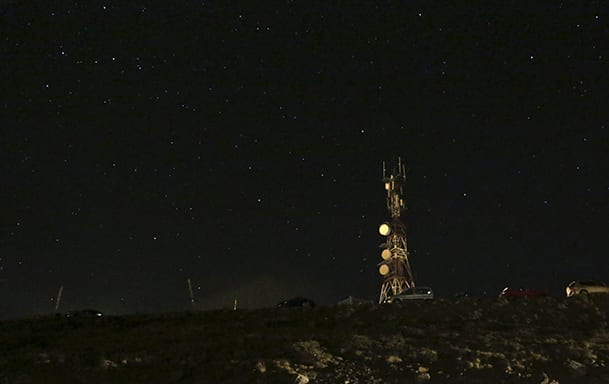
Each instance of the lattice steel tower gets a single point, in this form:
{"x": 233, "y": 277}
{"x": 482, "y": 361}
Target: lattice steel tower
{"x": 395, "y": 267}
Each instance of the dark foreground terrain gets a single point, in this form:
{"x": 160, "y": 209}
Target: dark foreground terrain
{"x": 456, "y": 341}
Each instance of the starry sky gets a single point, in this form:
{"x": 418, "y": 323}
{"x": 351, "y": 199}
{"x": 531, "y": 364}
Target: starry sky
{"x": 241, "y": 146}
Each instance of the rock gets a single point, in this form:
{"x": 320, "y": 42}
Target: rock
{"x": 577, "y": 368}
{"x": 547, "y": 380}
{"x": 422, "y": 377}
{"x": 260, "y": 366}
{"x": 393, "y": 359}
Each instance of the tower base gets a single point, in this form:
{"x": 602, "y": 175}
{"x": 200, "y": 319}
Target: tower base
{"x": 393, "y": 286}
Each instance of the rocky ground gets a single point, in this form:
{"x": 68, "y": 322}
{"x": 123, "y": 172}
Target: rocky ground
{"x": 466, "y": 340}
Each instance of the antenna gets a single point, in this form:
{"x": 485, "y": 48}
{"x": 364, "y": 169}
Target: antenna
{"x": 395, "y": 267}
{"x": 399, "y": 165}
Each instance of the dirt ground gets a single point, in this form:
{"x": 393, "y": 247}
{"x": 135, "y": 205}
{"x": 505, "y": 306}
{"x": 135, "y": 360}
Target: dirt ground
{"x": 466, "y": 340}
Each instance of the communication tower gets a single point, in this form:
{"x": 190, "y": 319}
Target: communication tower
{"x": 395, "y": 267}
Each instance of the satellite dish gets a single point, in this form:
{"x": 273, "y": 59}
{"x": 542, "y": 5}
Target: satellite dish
{"x": 386, "y": 254}
{"x": 384, "y": 269}
{"x": 385, "y": 229}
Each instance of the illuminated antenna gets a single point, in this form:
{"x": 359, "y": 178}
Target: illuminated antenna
{"x": 395, "y": 267}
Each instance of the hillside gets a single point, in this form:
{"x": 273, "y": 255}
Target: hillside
{"x": 445, "y": 341}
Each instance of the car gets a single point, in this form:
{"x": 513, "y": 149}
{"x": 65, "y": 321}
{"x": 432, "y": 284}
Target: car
{"x": 412, "y": 293}
{"x": 584, "y": 287}
{"x": 509, "y": 293}
{"x": 85, "y": 313}
{"x": 297, "y": 302}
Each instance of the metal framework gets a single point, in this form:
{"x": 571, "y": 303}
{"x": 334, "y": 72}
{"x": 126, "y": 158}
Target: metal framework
{"x": 395, "y": 267}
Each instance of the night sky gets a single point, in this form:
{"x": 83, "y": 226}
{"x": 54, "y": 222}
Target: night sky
{"x": 145, "y": 143}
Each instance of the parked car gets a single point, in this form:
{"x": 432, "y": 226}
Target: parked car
{"x": 297, "y": 302}
{"x": 584, "y": 287}
{"x": 509, "y": 293}
{"x": 90, "y": 313}
{"x": 414, "y": 293}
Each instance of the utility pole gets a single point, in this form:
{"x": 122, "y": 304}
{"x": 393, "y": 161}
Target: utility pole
{"x": 58, "y": 301}
{"x": 192, "y": 295}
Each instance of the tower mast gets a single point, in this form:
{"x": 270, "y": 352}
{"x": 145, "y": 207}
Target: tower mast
{"x": 395, "y": 267}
